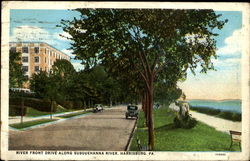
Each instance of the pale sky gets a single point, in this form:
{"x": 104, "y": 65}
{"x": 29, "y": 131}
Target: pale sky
{"x": 225, "y": 83}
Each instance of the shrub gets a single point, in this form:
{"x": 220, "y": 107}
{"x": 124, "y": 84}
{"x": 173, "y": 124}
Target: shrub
{"x": 15, "y": 110}
{"x": 187, "y": 122}
{"x": 38, "y": 104}
{"x": 77, "y": 104}
{"x": 67, "y": 104}
{"x": 236, "y": 117}
{"x": 226, "y": 115}
{"x": 206, "y": 110}
{"x": 21, "y": 94}
{"x": 219, "y": 113}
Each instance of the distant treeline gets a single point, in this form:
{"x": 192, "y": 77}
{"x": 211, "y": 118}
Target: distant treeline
{"x": 233, "y": 116}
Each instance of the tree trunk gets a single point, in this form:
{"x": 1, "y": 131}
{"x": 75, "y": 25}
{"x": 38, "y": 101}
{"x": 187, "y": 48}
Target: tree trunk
{"x": 51, "y": 109}
{"x": 146, "y": 108}
{"x": 84, "y": 105}
{"x": 89, "y": 103}
{"x": 143, "y": 102}
{"x": 150, "y": 116}
{"x": 22, "y": 110}
{"x": 110, "y": 101}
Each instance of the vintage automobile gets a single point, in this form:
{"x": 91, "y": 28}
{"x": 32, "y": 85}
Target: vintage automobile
{"x": 132, "y": 111}
{"x": 98, "y": 108}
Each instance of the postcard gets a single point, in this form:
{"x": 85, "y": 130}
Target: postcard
{"x": 124, "y": 81}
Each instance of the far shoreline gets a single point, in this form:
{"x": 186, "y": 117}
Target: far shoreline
{"x": 214, "y": 100}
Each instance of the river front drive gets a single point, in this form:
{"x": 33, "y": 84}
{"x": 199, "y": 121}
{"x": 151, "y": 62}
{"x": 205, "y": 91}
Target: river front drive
{"x": 103, "y": 131}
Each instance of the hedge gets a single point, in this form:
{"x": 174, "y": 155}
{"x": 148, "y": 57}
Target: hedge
{"x": 71, "y": 104}
{"x": 66, "y": 104}
{"x": 38, "y": 104}
{"x": 219, "y": 113}
{"x": 15, "y": 110}
{"x": 21, "y": 94}
{"x": 77, "y": 104}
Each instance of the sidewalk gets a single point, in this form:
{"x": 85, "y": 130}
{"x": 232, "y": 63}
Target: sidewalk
{"x": 16, "y": 119}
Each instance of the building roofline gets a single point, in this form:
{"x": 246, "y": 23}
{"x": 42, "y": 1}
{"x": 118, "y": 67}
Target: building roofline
{"x": 40, "y": 42}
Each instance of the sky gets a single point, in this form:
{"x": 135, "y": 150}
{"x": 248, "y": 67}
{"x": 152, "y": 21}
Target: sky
{"x": 224, "y": 83}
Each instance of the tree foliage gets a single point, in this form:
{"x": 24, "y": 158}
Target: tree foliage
{"x": 154, "y": 44}
{"x": 16, "y": 74}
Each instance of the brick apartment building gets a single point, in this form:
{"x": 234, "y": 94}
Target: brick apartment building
{"x": 37, "y": 56}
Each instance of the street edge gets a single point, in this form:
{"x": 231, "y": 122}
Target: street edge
{"x": 131, "y": 136}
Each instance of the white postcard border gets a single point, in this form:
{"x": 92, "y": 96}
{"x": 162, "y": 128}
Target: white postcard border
{"x": 243, "y": 7}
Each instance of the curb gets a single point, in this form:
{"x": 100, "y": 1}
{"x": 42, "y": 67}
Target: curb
{"x": 131, "y": 137}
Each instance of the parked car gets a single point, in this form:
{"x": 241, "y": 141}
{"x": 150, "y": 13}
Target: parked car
{"x": 157, "y": 106}
{"x": 98, "y": 108}
{"x": 132, "y": 111}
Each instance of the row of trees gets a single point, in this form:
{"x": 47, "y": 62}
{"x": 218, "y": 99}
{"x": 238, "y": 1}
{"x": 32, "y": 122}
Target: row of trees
{"x": 64, "y": 83}
{"x": 140, "y": 49}
{"x": 146, "y": 48}
{"x": 90, "y": 86}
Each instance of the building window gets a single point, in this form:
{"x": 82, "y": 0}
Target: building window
{"x": 45, "y": 60}
{"x": 36, "y": 50}
{"x": 36, "y": 59}
{"x": 25, "y": 68}
{"x": 36, "y": 68}
{"x": 25, "y": 59}
{"x": 25, "y": 49}
{"x": 13, "y": 49}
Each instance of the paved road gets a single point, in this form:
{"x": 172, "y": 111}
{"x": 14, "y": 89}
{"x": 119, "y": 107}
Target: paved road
{"x": 108, "y": 131}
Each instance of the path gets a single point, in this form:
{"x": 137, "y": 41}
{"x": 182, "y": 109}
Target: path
{"x": 218, "y": 123}
{"x": 104, "y": 131}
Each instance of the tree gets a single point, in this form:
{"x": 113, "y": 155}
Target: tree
{"x": 64, "y": 72}
{"x": 38, "y": 84}
{"x": 46, "y": 86}
{"x": 159, "y": 44}
{"x": 166, "y": 94}
{"x": 56, "y": 85}
{"x": 16, "y": 73}
{"x": 63, "y": 67}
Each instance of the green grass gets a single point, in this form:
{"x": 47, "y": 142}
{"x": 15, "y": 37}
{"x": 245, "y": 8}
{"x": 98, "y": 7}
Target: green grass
{"x": 74, "y": 114}
{"x": 31, "y": 112}
{"x": 168, "y": 138}
{"x": 31, "y": 123}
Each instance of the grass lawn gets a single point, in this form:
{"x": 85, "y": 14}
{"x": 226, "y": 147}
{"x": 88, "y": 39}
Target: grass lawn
{"x": 31, "y": 123}
{"x": 31, "y": 112}
{"x": 168, "y": 138}
{"x": 74, "y": 114}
